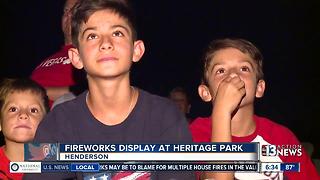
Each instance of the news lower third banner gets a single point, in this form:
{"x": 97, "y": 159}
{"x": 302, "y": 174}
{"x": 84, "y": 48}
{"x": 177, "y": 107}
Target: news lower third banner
{"x": 51, "y": 167}
{"x": 142, "y": 152}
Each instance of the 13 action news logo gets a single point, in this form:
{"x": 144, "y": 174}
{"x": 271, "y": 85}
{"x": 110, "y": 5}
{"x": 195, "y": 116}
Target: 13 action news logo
{"x": 281, "y": 150}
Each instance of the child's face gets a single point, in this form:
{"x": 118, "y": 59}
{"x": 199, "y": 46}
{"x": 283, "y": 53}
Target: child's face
{"x": 181, "y": 100}
{"x": 106, "y": 47}
{"x": 21, "y": 114}
{"x": 231, "y": 62}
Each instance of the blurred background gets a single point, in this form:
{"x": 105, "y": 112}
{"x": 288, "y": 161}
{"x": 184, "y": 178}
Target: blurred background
{"x": 176, "y": 34}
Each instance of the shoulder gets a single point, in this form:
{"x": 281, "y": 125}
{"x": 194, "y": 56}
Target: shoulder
{"x": 154, "y": 99}
{"x": 157, "y": 104}
{"x": 161, "y": 118}
{"x": 200, "y": 129}
{"x": 277, "y": 134}
{"x": 71, "y": 105}
{"x": 66, "y": 112}
{"x": 201, "y": 122}
{"x": 267, "y": 125}
{"x": 64, "y": 98}
{"x": 274, "y": 132}
{"x": 58, "y": 124}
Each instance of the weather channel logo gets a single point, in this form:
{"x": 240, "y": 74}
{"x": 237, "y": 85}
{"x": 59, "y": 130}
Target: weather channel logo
{"x": 25, "y": 167}
{"x": 281, "y": 150}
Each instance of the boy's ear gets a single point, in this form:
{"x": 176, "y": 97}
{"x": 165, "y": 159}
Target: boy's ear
{"x": 260, "y": 88}
{"x": 204, "y": 93}
{"x": 74, "y": 56}
{"x": 138, "y": 50}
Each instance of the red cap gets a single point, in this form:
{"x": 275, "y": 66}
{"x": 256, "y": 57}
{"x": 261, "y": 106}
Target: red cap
{"x": 55, "y": 71}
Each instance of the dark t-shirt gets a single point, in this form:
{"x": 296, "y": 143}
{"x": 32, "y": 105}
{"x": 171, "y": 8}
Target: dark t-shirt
{"x": 154, "y": 119}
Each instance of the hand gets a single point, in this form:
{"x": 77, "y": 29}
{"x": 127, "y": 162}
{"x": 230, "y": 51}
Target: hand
{"x": 229, "y": 94}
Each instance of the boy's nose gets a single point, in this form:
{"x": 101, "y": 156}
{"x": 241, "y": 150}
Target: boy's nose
{"x": 233, "y": 74}
{"x": 106, "y": 44}
{"x": 23, "y": 115}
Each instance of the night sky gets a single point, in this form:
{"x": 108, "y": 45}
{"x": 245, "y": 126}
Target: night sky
{"x": 176, "y": 34}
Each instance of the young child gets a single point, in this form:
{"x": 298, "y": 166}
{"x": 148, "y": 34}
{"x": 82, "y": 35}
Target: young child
{"x": 180, "y": 96}
{"x": 23, "y": 104}
{"x": 232, "y": 78}
{"x": 111, "y": 111}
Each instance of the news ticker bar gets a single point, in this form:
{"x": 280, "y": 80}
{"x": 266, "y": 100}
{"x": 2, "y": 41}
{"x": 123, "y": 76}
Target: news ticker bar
{"x": 160, "y": 148}
{"x": 43, "y": 167}
{"x": 142, "y": 152}
{"x": 157, "y": 157}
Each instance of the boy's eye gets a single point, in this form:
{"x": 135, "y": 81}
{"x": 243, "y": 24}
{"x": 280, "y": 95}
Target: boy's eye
{"x": 220, "y": 71}
{"x": 13, "y": 109}
{"x": 34, "y": 110}
{"x": 118, "y": 34}
{"x": 245, "y": 68}
{"x": 92, "y": 36}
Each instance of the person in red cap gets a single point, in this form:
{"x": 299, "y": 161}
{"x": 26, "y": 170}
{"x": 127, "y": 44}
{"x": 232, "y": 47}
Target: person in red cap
{"x": 55, "y": 73}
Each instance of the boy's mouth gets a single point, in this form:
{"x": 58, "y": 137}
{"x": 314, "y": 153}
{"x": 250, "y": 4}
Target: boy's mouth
{"x": 104, "y": 59}
{"x": 22, "y": 126}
